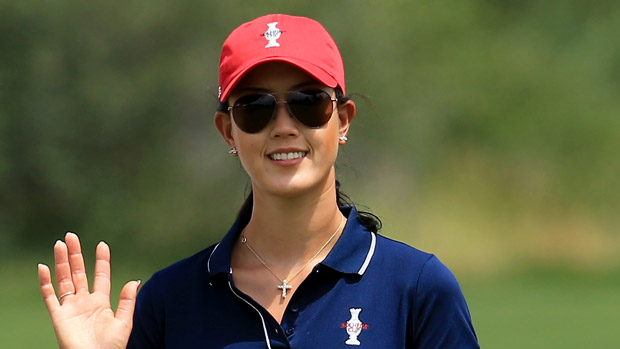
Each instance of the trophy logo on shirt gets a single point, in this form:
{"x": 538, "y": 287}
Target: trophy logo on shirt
{"x": 354, "y": 326}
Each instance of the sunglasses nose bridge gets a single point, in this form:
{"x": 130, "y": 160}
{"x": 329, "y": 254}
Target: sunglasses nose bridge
{"x": 277, "y": 106}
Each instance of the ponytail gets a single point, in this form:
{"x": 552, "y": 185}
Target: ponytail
{"x": 371, "y": 221}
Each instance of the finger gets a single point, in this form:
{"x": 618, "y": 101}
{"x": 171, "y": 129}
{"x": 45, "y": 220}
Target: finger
{"x": 102, "y": 281}
{"x": 63, "y": 270}
{"x": 47, "y": 289}
{"x": 127, "y": 301}
{"x": 76, "y": 261}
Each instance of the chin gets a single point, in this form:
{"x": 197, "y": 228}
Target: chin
{"x": 292, "y": 190}
{"x": 295, "y": 187}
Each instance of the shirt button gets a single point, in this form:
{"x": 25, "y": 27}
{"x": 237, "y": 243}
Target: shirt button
{"x": 289, "y": 331}
{"x": 294, "y": 307}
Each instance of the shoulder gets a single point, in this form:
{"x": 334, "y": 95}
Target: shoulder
{"x": 179, "y": 273}
{"x": 399, "y": 256}
{"x": 400, "y": 251}
{"x": 161, "y": 292}
{"x": 440, "y": 315}
{"x": 413, "y": 273}
{"x": 420, "y": 269}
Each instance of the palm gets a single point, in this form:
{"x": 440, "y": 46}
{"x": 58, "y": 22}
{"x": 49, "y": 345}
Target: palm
{"x": 91, "y": 315}
{"x": 86, "y": 319}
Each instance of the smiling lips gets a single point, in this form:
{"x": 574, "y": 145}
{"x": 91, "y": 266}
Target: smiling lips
{"x": 288, "y": 156}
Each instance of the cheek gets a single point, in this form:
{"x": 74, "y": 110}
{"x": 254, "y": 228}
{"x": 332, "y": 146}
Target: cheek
{"x": 245, "y": 141}
{"x": 249, "y": 147}
{"x": 332, "y": 141}
{"x": 327, "y": 144}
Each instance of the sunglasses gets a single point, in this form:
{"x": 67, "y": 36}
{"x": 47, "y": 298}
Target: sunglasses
{"x": 312, "y": 108}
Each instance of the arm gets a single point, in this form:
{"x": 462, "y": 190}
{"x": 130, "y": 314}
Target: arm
{"x": 442, "y": 316}
{"x": 84, "y": 319}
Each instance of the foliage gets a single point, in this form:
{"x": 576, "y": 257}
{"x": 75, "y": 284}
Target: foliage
{"x": 509, "y": 108}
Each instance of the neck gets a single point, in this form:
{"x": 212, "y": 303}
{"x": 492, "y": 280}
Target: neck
{"x": 291, "y": 230}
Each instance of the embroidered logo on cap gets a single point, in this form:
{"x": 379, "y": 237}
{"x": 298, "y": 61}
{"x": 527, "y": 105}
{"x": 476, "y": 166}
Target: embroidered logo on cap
{"x": 354, "y": 327}
{"x": 272, "y": 35}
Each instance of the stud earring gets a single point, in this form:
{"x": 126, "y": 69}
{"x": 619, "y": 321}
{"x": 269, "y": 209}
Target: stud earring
{"x": 343, "y": 139}
{"x": 233, "y": 151}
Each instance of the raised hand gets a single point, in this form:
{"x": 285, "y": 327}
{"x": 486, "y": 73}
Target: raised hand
{"x": 84, "y": 319}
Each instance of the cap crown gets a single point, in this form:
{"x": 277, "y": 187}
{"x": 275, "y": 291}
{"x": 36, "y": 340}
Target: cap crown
{"x": 300, "y": 41}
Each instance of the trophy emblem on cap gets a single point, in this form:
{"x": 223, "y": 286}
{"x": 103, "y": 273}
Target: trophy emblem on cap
{"x": 272, "y": 35}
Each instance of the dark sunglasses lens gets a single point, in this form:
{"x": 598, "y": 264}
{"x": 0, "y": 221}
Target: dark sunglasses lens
{"x": 311, "y": 108}
{"x": 253, "y": 112}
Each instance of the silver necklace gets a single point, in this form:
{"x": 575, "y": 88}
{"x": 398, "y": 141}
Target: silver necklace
{"x": 285, "y": 286}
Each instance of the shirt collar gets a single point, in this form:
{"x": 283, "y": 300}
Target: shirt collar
{"x": 355, "y": 247}
{"x": 351, "y": 254}
{"x": 219, "y": 261}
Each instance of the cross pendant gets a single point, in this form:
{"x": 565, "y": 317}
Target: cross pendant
{"x": 284, "y": 287}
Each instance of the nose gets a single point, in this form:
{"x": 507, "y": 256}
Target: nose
{"x": 283, "y": 122}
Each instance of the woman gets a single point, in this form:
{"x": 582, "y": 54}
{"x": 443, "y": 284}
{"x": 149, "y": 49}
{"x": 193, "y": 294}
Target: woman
{"x": 298, "y": 268}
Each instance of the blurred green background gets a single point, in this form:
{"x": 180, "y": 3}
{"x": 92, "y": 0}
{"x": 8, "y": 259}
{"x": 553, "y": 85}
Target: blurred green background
{"x": 491, "y": 138}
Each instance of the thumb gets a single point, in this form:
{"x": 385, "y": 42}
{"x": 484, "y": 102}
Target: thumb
{"x": 127, "y": 302}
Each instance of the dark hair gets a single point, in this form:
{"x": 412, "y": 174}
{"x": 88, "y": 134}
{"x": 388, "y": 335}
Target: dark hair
{"x": 367, "y": 219}
{"x": 371, "y": 221}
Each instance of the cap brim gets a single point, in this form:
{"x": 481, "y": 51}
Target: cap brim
{"x": 310, "y": 68}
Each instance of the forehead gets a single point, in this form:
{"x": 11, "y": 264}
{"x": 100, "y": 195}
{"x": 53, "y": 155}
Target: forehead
{"x": 275, "y": 77}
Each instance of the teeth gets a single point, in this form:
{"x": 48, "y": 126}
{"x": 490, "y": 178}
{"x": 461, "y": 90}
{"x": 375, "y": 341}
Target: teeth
{"x": 287, "y": 156}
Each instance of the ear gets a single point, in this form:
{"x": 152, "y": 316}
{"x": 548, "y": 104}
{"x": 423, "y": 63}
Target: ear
{"x": 223, "y": 123}
{"x": 346, "y": 113}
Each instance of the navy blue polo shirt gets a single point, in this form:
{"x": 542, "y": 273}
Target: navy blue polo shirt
{"x": 369, "y": 292}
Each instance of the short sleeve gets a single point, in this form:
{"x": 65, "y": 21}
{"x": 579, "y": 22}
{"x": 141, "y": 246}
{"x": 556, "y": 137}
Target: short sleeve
{"x": 442, "y": 318}
{"x": 148, "y": 331}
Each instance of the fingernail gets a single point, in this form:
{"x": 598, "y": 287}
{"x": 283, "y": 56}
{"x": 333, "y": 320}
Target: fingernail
{"x": 102, "y": 244}
{"x": 40, "y": 265}
{"x": 70, "y": 233}
{"x": 58, "y": 242}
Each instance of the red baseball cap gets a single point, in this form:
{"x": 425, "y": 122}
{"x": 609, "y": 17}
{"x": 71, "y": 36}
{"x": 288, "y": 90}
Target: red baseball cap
{"x": 300, "y": 41}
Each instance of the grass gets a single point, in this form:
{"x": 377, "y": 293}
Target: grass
{"x": 523, "y": 310}
{"x": 546, "y": 310}
{"x": 24, "y": 321}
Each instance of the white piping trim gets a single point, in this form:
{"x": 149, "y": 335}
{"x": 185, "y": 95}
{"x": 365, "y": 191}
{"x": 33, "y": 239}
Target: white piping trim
{"x": 259, "y": 314}
{"x": 211, "y": 255}
{"x": 371, "y": 252}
